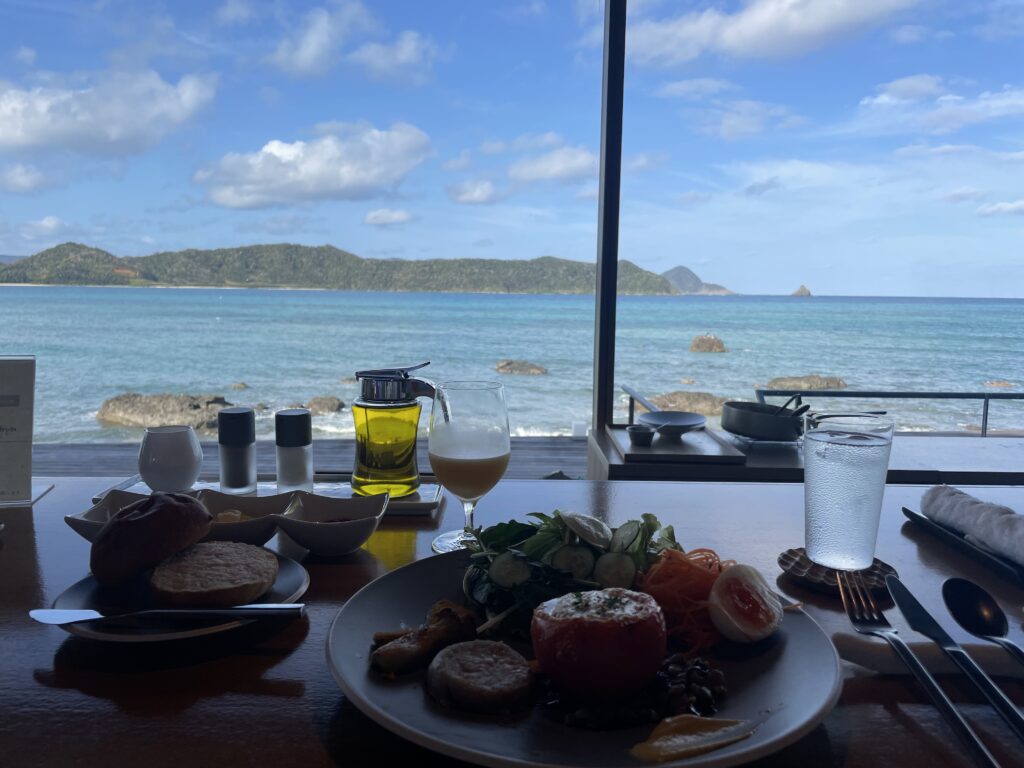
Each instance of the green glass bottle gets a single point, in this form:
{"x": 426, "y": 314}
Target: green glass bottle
{"x": 387, "y": 416}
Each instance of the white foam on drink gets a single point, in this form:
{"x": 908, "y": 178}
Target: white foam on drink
{"x": 468, "y": 441}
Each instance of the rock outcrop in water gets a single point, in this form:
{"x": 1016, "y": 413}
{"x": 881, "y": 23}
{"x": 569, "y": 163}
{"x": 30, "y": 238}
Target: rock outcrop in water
{"x": 520, "y": 368}
{"x": 811, "y": 381}
{"x": 135, "y": 410}
{"x": 802, "y": 291}
{"x": 707, "y": 342}
{"x": 695, "y": 402}
{"x": 686, "y": 282}
{"x": 319, "y": 406}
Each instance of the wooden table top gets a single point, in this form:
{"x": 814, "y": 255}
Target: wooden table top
{"x": 251, "y": 697}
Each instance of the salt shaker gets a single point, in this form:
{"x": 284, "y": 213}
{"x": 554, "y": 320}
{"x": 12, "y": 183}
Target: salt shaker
{"x": 236, "y": 434}
{"x": 293, "y": 433}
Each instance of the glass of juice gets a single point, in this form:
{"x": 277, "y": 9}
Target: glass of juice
{"x": 846, "y": 459}
{"x": 468, "y": 446}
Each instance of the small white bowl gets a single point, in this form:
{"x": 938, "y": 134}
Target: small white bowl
{"x": 307, "y": 522}
{"x": 88, "y": 524}
{"x": 260, "y": 512}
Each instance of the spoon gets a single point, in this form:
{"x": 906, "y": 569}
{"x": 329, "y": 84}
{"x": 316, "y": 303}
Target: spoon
{"x": 977, "y": 611}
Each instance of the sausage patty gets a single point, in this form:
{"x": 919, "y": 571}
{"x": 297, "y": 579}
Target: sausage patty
{"x": 482, "y": 676}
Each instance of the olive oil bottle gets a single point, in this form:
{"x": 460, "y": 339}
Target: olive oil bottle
{"x": 387, "y": 416}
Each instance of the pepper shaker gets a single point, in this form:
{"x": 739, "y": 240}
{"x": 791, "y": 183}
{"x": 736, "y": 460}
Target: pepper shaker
{"x": 293, "y": 433}
{"x": 236, "y": 435}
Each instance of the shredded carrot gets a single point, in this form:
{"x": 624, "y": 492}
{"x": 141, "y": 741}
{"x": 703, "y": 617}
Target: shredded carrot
{"x": 680, "y": 582}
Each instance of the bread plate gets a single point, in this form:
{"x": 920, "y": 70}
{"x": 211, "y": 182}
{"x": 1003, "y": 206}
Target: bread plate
{"x": 291, "y": 583}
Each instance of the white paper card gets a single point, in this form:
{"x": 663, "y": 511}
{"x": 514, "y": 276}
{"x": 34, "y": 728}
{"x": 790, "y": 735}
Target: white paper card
{"x": 17, "y": 386}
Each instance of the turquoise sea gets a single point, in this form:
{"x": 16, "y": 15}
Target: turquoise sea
{"x": 288, "y": 346}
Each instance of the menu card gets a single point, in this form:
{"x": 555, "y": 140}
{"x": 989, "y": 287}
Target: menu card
{"x": 17, "y": 385}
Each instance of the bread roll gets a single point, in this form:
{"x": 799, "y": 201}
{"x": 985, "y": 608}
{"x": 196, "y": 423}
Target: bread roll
{"x": 214, "y": 574}
{"x": 145, "y": 533}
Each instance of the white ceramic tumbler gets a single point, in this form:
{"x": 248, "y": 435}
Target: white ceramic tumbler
{"x": 170, "y": 458}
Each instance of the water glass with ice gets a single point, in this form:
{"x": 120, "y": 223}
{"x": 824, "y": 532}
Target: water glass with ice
{"x": 845, "y": 463}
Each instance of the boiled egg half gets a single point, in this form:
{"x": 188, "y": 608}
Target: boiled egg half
{"x": 742, "y": 605}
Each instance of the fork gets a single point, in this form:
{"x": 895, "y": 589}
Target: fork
{"x": 867, "y": 619}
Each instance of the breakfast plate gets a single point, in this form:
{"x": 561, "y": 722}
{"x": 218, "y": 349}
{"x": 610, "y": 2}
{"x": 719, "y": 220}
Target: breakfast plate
{"x": 795, "y": 675}
{"x": 291, "y": 583}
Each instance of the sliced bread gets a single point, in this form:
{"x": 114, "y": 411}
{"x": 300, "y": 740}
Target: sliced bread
{"x": 214, "y": 574}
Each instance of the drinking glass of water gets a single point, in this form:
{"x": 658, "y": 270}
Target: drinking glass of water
{"x": 468, "y": 446}
{"x": 845, "y": 463}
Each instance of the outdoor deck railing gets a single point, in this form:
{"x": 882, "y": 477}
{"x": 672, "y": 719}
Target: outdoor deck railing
{"x": 985, "y": 397}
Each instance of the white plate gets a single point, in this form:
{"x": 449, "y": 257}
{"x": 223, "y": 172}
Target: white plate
{"x": 291, "y": 583}
{"x": 796, "y": 673}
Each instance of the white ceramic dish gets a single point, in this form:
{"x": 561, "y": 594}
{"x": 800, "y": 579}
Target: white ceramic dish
{"x": 307, "y": 522}
{"x": 261, "y": 513}
{"x": 795, "y": 673}
{"x": 291, "y": 583}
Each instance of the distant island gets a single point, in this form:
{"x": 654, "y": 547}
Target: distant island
{"x": 686, "y": 281}
{"x": 301, "y": 266}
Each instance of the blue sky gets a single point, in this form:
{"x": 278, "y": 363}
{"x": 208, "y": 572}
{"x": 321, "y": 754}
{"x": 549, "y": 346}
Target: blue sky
{"x": 857, "y": 146}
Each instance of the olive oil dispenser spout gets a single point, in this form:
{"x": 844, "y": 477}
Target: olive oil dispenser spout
{"x": 386, "y": 416}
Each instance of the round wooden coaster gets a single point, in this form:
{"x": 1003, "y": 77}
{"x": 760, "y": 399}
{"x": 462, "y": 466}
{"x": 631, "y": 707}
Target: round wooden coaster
{"x": 799, "y": 567}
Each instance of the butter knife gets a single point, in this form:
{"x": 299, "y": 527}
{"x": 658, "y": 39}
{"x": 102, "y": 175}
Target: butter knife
{"x": 921, "y": 621}
{"x": 253, "y": 611}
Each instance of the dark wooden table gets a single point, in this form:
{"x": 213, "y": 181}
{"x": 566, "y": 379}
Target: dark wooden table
{"x": 259, "y": 697}
{"x": 917, "y": 458}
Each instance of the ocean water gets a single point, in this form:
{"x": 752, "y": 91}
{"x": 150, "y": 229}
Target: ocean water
{"x": 288, "y": 346}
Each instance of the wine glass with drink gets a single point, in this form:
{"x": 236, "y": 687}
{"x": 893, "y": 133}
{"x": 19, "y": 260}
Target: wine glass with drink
{"x": 469, "y": 447}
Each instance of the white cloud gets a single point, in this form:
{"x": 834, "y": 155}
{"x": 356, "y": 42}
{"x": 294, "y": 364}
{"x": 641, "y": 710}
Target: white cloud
{"x": 644, "y": 161}
{"x": 946, "y": 113}
{"x": 694, "y": 88}
{"x": 48, "y": 226}
{"x": 562, "y": 164}
{"x": 523, "y": 142}
{"x": 473, "y": 192}
{"x": 761, "y": 28}
{"x": 693, "y": 197}
{"x": 459, "y": 163}
{"x": 742, "y": 118}
{"x": 941, "y": 149}
{"x": 758, "y": 188}
{"x": 963, "y": 195}
{"x": 410, "y": 58}
{"x": 315, "y": 46}
{"x": 21, "y": 178}
{"x": 910, "y": 34}
{"x": 117, "y": 113}
{"x": 1016, "y": 208}
{"x": 235, "y": 12}
{"x": 25, "y": 55}
{"x": 907, "y": 89}
{"x": 387, "y": 217}
{"x": 355, "y": 162}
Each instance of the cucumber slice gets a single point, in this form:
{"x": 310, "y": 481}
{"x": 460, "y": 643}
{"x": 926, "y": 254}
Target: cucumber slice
{"x": 624, "y": 535}
{"x": 509, "y": 570}
{"x": 615, "y": 569}
{"x": 590, "y": 529}
{"x": 574, "y": 558}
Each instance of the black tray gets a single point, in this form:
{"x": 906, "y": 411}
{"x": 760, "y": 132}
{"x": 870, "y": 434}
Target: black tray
{"x": 1004, "y": 566}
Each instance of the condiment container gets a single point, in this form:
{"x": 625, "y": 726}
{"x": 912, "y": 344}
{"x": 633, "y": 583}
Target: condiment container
{"x": 236, "y": 435}
{"x": 293, "y": 433}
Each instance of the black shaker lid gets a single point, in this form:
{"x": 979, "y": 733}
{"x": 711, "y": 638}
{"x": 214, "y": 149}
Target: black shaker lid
{"x": 236, "y": 426}
{"x": 293, "y": 428}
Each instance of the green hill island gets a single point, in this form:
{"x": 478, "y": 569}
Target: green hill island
{"x": 302, "y": 266}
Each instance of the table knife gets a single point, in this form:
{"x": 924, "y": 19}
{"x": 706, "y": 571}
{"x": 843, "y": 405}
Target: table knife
{"x": 254, "y": 611}
{"x": 921, "y": 621}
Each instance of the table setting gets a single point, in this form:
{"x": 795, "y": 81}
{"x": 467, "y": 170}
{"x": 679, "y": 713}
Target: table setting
{"x": 876, "y": 642}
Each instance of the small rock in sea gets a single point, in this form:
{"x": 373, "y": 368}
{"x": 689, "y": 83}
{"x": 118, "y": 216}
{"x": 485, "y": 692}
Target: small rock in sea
{"x": 801, "y": 291}
{"x": 707, "y": 342}
{"x": 260, "y": 407}
{"x": 694, "y": 402}
{"x": 687, "y": 381}
{"x": 348, "y": 380}
{"x": 520, "y": 368}
{"x": 811, "y": 381}
{"x": 999, "y": 383}
{"x": 319, "y": 406}
{"x": 239, "y": 385}
{"x": 135, "y": 410}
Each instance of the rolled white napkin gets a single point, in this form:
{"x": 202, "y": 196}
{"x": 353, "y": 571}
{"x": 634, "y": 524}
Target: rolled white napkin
{"x": 878, "y": 656}
{"x": 994, "y": 526}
